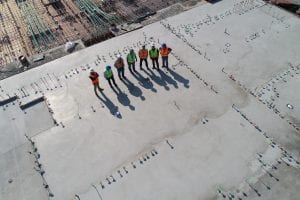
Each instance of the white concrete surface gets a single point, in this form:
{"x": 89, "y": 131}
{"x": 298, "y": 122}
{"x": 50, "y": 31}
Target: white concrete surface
{"x": 213, "y": 127}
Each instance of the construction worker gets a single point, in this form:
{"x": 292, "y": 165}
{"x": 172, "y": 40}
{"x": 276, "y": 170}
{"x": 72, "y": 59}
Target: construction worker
{"x": 94, "y": 76}
{"x": 143, "y": 54}
{"x": 164, "y": 52}
{"x": 131, "y": 59}
{"x": 108, "y": 74}
{"x": 119, "y": 64}
{"x": 154, "y": 54}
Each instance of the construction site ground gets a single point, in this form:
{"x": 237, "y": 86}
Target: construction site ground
{"x": 28, "y": 28}
{"x": 222, "y": 123}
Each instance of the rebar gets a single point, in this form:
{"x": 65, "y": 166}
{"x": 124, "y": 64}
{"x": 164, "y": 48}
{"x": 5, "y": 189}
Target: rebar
{"x": 41, "y": 35}
{"x": 99, "y": 19}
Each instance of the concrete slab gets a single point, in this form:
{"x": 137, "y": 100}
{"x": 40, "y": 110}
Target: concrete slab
{"x": 18, "y": 178}
{"x": 212, "y": 127}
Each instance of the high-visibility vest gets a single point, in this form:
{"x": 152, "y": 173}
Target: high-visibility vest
{"x": 154, "y": 53}
{"x": 94, "y": 77}
{"x": 164, "y": 52}
{"x": 108, "y": 73}
{"x": 143, "y": 53}
{"x": 131, "y": 57}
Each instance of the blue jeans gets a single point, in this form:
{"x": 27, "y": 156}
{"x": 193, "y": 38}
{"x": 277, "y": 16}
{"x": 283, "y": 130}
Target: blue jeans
{"x": 121, "y": 73}
{"x": 165, "y": 62}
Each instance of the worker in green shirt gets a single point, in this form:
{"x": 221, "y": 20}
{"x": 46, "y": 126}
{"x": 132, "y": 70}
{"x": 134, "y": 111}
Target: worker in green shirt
{"x": 108, "y": 74}
{"x": 154, "y": 54}
{"x": 131, "y": 59}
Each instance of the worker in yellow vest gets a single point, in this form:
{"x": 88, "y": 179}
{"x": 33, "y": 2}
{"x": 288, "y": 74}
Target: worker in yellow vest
{"x": 108, "y": 74}
{"x": 131, "y": 59}
{"x": 154, "y": 54}
{"x": 143, "y": 54}
{"x": 164, "y": 52}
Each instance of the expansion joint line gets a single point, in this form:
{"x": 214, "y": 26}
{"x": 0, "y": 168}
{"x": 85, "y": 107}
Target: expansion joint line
{"x": 243, "y": 87}
{"x": 99, "y": 195}
{"x": 38, "y": 166}
{"x": 285, "y": 153}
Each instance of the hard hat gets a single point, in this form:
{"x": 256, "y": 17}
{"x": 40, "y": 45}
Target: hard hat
{"x": 119, "y": 56}
{"x": 152, "y": 44}
{"x": 108, "y": 67}
{"x": 92, "y": 70}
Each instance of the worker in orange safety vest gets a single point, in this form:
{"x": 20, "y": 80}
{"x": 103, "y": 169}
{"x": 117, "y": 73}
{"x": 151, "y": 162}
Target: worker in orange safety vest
{"x": 143, "y": 54}
{"x": 94, "y": 76}
{"x": 164, "y": 52}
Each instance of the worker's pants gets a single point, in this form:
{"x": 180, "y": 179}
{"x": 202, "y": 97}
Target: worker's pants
{"x": 121, "y": 73}
{"x": 141, "y": 63}
{"x": 112, "y": 79}
{"x": 165, "y": 62}
{"x": 131, "y": 67}
{"x": 97, "y": 86}
{"x": 155, "y": 61}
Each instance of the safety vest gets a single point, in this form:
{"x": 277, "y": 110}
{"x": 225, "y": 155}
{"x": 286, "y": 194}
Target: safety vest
{"x": 164, "y": 52}
{"x": 94, "y": 77}
{"x": 154, "y": 53}
{"x": 131, "y": 57}
{"x": 143, "y": 54}
{"x": 108, "y": 73}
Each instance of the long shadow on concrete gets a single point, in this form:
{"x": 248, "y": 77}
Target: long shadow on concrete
{"x": 123, "y": 98}
{"x": 180, "y": 78}
{"x": 109, "y": 104}
{"x": 134, "y": 90}
{"x": 163, "y": 80}
{"x": 168, "y": 79}
{"x": 144, "y": 82}
{"x": 158, "y": 80}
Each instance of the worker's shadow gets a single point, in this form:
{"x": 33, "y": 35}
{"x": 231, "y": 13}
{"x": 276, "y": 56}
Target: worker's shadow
{"x": 158, "y": 80}
{"x": 134, "y": 90}
{"x": 144, "y": 82}
{"x": 123, "y": 98}
{"x": 168, "y": 79}
{"x": 109, "y": 104}
{"x": 180, "y": 78}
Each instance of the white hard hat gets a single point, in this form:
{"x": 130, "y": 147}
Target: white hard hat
{"x": 152, "y": 44}
{"x": 119, "y": 56}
